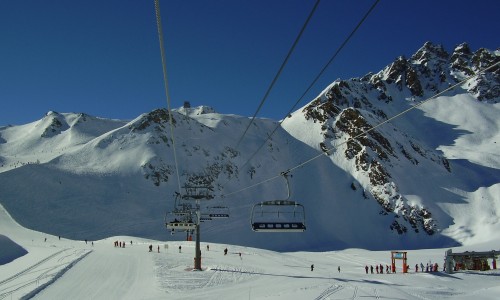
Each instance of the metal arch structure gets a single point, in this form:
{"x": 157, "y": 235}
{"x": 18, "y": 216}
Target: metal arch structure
{"x": 279, "y": 215}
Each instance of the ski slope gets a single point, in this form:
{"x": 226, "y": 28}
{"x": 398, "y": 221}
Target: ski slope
{"x": 57, "y": 268}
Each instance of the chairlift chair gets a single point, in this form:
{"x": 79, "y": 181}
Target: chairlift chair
{"x": 279, "y": 215}
{"x": 218, "y": 212}
{"x": 179, "y": 220}
{"x": 205, "y": 217}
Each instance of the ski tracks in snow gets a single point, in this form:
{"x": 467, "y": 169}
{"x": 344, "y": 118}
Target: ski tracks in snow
{"x": 330, "y": 291}
{"x": 41, "y": 273}
{"x": 176, "y": 277}
{"x": 344, "y": 292}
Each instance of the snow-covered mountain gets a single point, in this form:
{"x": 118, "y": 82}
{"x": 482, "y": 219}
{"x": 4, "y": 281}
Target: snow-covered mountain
{"x": 430, "y": 178}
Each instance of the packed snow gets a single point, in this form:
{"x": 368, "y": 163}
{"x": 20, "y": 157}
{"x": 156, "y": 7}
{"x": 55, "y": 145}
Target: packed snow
{"x": 55, "y": 268}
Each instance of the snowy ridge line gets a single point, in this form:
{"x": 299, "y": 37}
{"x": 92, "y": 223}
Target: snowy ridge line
{"x": 327, "y": 151}
{"x": 31, "y": 267}
{"x": 394, "y": 117}
{"x": 55, "y": 277}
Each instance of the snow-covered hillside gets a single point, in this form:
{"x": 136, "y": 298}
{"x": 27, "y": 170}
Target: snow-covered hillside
{"x": 54, "y": 268}
{"x": 411, "y": 183}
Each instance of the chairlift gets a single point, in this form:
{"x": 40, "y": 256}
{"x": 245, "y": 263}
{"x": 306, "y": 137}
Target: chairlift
{"x": 218, "y": 212}
{"x": 197, "y": 192}
{"x": 278, "y": 215}
{"x": 179, "y": 220}
{"x": 205, "y": 217}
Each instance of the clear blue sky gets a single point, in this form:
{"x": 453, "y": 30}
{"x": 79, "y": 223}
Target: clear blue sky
{"x": 102, "y": 57}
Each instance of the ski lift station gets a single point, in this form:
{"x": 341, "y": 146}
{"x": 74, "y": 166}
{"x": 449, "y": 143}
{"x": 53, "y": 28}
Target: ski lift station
{"x": 470, "y": 260}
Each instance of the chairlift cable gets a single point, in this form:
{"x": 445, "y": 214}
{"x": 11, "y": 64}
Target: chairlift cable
{"x": 279, "y": 72}
{"x": 369, "y": 130}
{"x": 165, "y": 81}
{"x": 292, "y": 109}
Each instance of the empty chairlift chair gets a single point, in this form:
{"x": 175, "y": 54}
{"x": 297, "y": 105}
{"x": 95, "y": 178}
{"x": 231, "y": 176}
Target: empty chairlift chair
{"x": 218, "y": 212}
{"x": 278, "y": 215}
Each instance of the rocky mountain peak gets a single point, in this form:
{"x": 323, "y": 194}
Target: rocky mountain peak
{"x": 53, "y": 123}
{"x": 157, "y": 118}
{"x": 195, "y": 111}
{"x": 429, "y": 52}
{"x": 462, "y": 50}
{"x": 347, "y": 108}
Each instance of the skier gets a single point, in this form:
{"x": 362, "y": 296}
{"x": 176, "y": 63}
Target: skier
{"x": 366, "y": 269}
{"x": 381, "y": 269}
{"x": 376, "y": 267}
{"x": 208, "y": 248}
{"x": 158, "y": 249}
{"x": 338, "y": 269}
{"x": 225, "y": 251}
{"x": 180, "y": 248}
{"x": 150, "y": 248}
{"x": 312, "y": 267}
{"x": 416, "y": 268}
{"x": 371, "y": 269}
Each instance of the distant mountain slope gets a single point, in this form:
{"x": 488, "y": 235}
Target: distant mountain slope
{"x": 406, "y": 184}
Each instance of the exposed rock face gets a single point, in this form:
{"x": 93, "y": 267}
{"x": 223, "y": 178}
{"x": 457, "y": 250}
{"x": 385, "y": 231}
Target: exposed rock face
{"x": 155, "y": 124}
{"x": 54, "y": 124}
{"x": 347, "y": 112}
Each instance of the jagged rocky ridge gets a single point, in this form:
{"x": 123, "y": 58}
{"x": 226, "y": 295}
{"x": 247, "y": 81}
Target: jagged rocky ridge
{"x": 348, "y": 108}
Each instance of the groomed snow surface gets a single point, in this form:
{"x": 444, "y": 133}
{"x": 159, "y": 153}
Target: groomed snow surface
{"x": 56, "y": 268}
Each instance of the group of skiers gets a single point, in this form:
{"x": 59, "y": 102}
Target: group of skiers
{"x": 429, "y": 268}
{"x": 121, "y": 244}
{"x": 379, "y": 269}
{"x": 151, "y": 248}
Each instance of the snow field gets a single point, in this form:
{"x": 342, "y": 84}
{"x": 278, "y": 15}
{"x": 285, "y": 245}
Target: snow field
{"x": 103, "y": 271}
